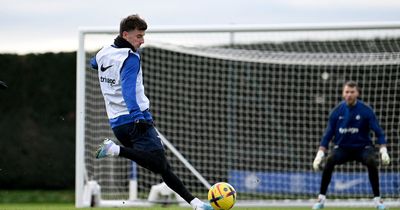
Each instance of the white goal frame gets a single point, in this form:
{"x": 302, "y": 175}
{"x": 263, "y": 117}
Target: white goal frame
{"x": 81, "y": 181}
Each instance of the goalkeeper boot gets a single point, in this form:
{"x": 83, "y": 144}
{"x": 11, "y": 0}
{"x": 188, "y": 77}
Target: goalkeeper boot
{"x": 381, "y": 206}
{"x": 318, "y": 206}
{"x": 106, "y": 149}
{"x": 320, "y": 203}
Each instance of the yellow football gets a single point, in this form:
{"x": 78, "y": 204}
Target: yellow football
{"x": 222, "y": 196}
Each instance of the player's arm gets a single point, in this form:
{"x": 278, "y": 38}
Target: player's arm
{"x": 374, "y": 125}
{"x": 329, "y": 131}
{"x": 93, "y": 63}
{"x": 129, "y": 72}
{"x": 328, "y": 135}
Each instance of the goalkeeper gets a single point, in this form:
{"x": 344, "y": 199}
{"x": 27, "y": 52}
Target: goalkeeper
{"x": 350, "y": 123}
{"x": 121, "y": 82}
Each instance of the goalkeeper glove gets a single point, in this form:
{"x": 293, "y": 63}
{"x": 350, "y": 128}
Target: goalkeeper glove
{"x": 384, "y": 156}
{"x": 318, "y": 159}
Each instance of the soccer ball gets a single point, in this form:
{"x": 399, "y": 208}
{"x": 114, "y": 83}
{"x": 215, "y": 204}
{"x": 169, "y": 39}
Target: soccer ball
{"x": 222, "y": 196}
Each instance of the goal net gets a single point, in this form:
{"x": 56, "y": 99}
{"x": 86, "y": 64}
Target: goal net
{"x": 244, "y": 105}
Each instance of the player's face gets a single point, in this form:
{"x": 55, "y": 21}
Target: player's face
{"x": 350, "y": 95}
{"x": 134, "y": 37}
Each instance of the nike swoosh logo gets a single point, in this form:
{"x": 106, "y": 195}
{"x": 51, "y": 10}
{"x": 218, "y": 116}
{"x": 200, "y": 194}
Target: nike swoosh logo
{"x": 344, "y": 185}
{"x": 102, "y": 68}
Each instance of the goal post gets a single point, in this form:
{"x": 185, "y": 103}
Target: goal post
{"x": 246, "y": 105}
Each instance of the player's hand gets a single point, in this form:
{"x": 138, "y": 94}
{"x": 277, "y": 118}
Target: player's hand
{"x": 318, "y": 159}
{"x": 142, "y": 125}
{"x": 384, "y": 156}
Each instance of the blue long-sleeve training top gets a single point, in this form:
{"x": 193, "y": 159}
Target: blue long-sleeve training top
{"x": 350, "y": 127}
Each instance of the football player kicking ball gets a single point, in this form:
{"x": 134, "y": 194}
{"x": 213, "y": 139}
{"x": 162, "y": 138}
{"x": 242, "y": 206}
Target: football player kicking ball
{"x": 350, "y": 123}
{"x": 120, "y": 77}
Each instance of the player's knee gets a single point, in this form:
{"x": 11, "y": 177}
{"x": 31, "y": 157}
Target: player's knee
{"x": 165, "y": 168}
{"x": 330, "y": 161}
{"x": 161, "y": 167}
{"x": 371, "y": 161}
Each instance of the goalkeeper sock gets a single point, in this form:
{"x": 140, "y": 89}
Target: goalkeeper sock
{"x": 321, "y": 198}
{"x": 377, "y": 200}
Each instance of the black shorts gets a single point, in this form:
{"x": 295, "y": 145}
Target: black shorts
{"x": 343, "y": 155}
{"x": 129, "y": 136}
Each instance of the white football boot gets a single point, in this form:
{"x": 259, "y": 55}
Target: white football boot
{"x": 106, "y": 149}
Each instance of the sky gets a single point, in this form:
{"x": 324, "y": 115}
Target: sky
{"x": 38, "y": 26}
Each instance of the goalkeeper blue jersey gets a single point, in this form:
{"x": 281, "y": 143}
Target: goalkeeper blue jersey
{"x": 350, "y": 127}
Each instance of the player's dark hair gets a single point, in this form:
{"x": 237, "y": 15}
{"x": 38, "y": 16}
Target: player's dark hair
{"x": 352, "y": 84}
{"x": 132, "y": 22}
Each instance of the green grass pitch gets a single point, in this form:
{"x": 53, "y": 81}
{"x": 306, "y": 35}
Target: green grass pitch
{"x": 42, "y": 206}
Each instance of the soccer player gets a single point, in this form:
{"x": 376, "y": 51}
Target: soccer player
{"x": 350, "y": 123}
{"x": 121, "y": 82}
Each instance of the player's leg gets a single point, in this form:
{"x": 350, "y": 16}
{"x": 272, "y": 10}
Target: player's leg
{"x": 159, "y": 164}
{"x": 337, "y": 157}
{"x": 368, "y": 158}
{"x": 109, "y": 149}
{"x": 124, "y": 134}
{"x": 146, "y": 150}
{"x": 134, "y": 143}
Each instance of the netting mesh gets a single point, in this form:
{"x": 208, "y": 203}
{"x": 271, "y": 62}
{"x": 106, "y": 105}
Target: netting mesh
{"x": 252, "y": 112}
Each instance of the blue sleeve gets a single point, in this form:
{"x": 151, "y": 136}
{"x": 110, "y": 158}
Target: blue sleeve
{"x": 129, "y": 72}
{"x": 374, "y": 125}
{"x": 329, "y": 131}
{"x": 93, "y": 63}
